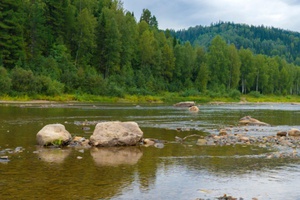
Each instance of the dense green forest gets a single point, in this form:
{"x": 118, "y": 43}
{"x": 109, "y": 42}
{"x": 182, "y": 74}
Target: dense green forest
{"x": 54, "y": 47}
{"x": 269, "y": 41}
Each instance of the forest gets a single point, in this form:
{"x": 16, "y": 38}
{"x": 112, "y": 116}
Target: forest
{"x": 54, "y": 47}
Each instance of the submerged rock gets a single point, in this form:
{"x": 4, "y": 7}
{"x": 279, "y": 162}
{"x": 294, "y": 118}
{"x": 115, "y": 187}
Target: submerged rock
{"x": 185, "y": 104}
{"x": 159, "y": 145}
{"x": 53, "y": 134}
{"x": 108, "y": 134}
{"x": 247, "y": 120}
{"x": 201, "y": 142}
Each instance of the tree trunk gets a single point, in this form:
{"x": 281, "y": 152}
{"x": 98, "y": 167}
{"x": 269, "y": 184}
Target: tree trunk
{"x": 257, "y": 78}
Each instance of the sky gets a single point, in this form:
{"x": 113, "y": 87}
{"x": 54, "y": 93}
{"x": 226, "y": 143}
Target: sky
{"x": 182, "y": 14}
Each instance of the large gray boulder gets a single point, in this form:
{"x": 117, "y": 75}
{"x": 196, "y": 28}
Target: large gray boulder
{"x": 108, "y": 134}
{"x": 53, "y": 134}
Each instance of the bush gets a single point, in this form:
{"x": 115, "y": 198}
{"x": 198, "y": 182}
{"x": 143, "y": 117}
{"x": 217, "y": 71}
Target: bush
{"x": 235, "y": 94}
{"x": 55, "y": 88}
{"x": 23, "y": 81}
{"x": 90, "y": 82}
{"x": 255, "y": 94}
{"x": 44, "y": 85}
{"x": 114, "y": 90}
{"x": 190, "y": 92}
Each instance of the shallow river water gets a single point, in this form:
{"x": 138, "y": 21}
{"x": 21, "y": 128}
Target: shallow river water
{"x": 177, "y": 171}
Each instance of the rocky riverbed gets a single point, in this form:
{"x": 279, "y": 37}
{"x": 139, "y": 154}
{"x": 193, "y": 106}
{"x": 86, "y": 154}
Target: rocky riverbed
{"x": 250, "y": 131}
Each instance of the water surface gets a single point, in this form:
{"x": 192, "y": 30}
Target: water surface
{"x": 177, "y": 171}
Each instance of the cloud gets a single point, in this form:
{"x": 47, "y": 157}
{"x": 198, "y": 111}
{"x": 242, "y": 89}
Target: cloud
{"x": 181, "y": 14}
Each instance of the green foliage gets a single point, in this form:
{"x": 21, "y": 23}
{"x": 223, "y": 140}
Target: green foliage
{"x": 90, "y": 82}
{"x": 85, "y": 48}
{"x": 57, "y": 143}
{"x": 5, "y": 81}
{"x": 11, "y": 29}
{"x": 234, "y": 94}
{"x": 114, "y": 90}
{"x": 190, "y": 92}
{"x": 255, "y": 94}
{"x": 48, "y": 87}
{"x": 259, "y": 39}
{"x": 23, "y": 81}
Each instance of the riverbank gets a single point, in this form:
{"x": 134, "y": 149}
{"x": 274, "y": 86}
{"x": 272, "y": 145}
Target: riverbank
{"x": 160, "y": 98}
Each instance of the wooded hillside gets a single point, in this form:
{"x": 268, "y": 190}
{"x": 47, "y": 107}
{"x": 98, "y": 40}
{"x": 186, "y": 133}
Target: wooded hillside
{"x": 260, "y": 39}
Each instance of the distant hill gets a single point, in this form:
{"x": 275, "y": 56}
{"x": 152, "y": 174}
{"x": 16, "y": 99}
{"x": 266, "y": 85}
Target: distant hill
{"x": 260, "y": 39}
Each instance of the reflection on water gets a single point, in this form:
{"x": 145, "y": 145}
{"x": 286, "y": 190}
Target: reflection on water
{"x": 178, "y": 171}
{"x": 53, "y": 155}
{"x": 115, "y": 156}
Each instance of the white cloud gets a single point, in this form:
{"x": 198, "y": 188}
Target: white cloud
{"x": 180, "y": 14}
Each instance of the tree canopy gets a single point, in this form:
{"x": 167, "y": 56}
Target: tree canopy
{"x": 97, "y": 47}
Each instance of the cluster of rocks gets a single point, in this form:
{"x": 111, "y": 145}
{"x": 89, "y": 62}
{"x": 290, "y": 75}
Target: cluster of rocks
{"x": 284, "y": 141}
{"x": 3, "y": 153}
{"x": 190, "y": 104}
{"x": 289, "y": 138}
{"x": 111, "y": 134}
{"x": 233, "y": 139}
{"x": 153, "y": 142}
{"x": 106, "y": 134}
{"x": 225, "y": 197}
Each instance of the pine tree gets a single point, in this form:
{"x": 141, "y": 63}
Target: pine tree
{"x": 108, "y": 44}
{"x": 35, "y": 30}
{"x": 11, "y": 33}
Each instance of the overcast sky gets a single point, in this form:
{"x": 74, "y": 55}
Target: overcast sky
{"x": 182, "y": 14}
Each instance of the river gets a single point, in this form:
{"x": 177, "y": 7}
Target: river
{"x": 177, "y": 171}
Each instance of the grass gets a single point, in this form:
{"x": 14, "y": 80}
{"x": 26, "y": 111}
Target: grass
{"x": 161, "y": 98}
{"x": 272, "y": 98}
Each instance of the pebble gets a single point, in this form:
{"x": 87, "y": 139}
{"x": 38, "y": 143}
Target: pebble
{"x": 159, "y": 145}
{"x": 81, "y": 151}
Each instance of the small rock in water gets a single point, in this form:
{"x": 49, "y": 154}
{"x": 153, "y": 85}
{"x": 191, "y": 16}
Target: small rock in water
{"x": 18, "y": 149}
{"x": 159, "y": 145}
{"x": 201, "y": 142}
{"x": 4, "y": 159}
{"x": 148, "y": 141}
{"x": 81, "y": 150}
{"x": 85, "y": 128}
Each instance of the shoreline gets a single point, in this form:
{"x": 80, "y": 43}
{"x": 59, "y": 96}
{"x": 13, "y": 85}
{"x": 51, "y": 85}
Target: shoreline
{"x": 126, "y": 102}
{"x": 164, "y": 98}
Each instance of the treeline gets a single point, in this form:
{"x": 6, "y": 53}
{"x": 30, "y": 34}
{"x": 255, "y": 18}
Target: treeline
{"x": 260, "y": 39}
{"x": 52, "y": 47}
